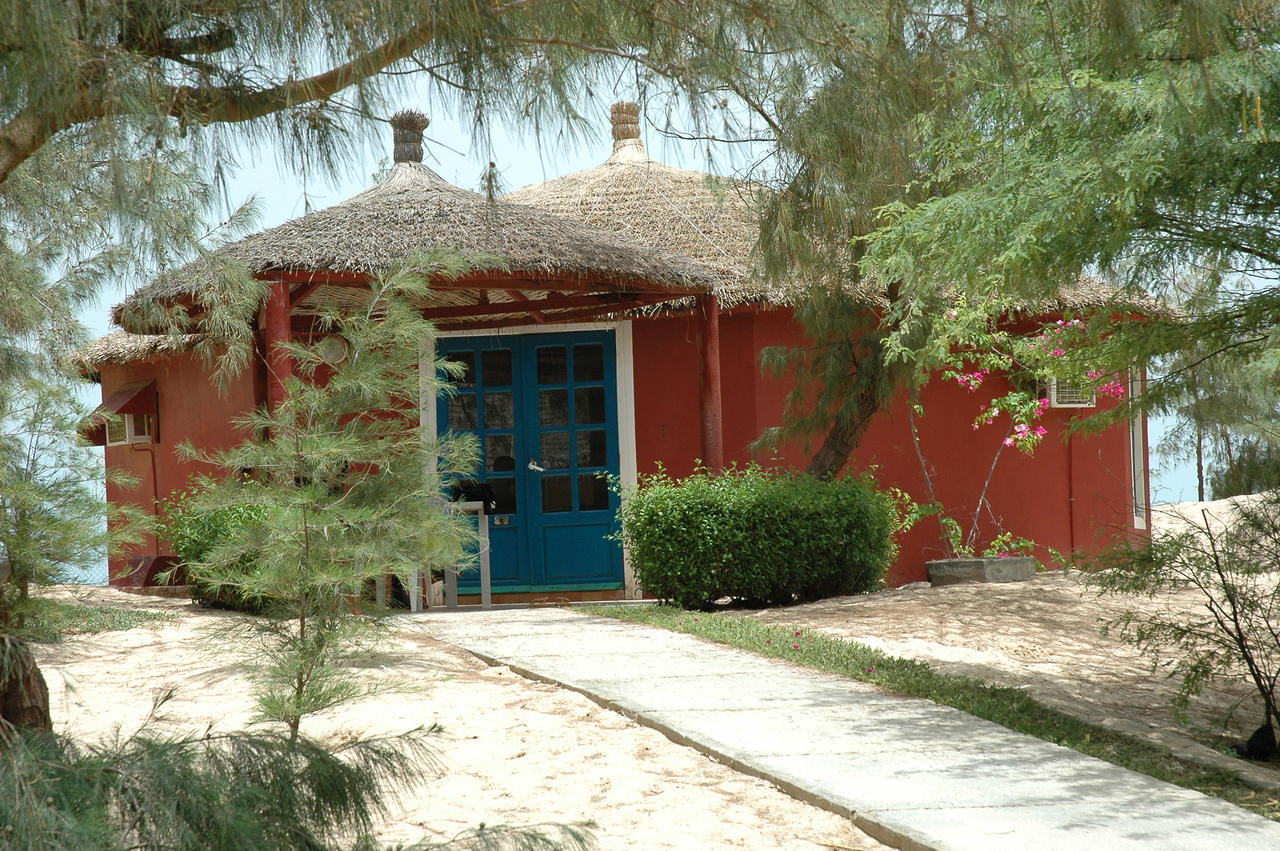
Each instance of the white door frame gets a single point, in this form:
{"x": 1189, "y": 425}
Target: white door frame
{"x": 624, "y": 363}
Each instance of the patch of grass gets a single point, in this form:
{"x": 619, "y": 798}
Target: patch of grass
{"x": 48, "y": 621}
{"x": 1008, "y": 707}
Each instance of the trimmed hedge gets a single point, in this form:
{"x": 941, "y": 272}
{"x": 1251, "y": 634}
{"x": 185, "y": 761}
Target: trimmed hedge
{"x": 761, "y": 536}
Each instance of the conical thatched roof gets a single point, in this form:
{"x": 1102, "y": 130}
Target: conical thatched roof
{"x": 414, "y": 210}
{"x": 665, "y": 208}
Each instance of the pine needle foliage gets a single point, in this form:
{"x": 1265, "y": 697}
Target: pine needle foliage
{"x": 849, "y": 145}
{"x": 52, "y": 515}
{"x": 346, "y": 489}
{"x": 1002, "y": 148}
{"x": 234, "y": 791}
{"x": 1127, "y": 139}
{"x": 299, "y": 71}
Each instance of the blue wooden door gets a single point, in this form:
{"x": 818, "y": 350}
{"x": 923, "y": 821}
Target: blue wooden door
{"x": 543, "y": 408}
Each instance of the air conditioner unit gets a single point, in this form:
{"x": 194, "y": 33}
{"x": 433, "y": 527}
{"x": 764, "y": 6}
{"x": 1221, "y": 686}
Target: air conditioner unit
{"x": 1068, "y": 394}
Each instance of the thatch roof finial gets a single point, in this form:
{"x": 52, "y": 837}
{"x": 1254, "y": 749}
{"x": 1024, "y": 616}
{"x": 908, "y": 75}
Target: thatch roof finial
{"x": 407, "y": 126}
{"x": 625, "y": 116}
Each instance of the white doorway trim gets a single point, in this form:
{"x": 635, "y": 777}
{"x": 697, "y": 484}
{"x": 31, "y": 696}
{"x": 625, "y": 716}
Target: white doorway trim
{"x": 624, "y": 360}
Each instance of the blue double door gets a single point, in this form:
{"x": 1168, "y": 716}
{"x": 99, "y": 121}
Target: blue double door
{"x": 544, "y": 411}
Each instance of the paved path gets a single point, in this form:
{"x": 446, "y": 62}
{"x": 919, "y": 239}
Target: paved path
{"x": 909, "y": 772}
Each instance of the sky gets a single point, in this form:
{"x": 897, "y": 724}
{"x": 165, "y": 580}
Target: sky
{"x": 521, "y": 159}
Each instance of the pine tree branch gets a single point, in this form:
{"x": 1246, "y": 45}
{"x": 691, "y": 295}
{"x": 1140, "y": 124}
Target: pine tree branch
{"x": 32, "y": 127}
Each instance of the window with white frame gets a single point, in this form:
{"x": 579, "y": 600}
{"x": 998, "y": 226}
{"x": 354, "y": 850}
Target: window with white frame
{"x": 1138, "y": 460}
{"x": 130, "y": 428}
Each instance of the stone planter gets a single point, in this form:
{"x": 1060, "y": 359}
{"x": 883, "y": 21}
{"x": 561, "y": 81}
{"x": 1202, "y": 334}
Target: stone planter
{"x": 954, "y": 571}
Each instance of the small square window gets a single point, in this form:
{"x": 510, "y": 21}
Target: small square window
{"x": 141, "y": 428}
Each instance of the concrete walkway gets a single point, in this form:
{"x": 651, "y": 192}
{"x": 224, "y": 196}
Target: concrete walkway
{"x": 909, "y": 772}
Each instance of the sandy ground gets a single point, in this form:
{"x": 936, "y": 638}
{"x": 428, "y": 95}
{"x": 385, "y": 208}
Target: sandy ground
{"x": 1045, "y": 635}
{"x": 513, "y": 751}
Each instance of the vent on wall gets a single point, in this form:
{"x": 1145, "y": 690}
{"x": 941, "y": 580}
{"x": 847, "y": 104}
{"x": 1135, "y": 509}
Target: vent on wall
{"x": 1068, "y": 394}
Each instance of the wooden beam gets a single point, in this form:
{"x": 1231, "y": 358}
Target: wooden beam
{"x": 536, "y": 314}
{"x": 556, "y": 318}
{"x": 525, "y": 281}
{"x": 296, "y": 297}
{"x": 522, "y": 304}
{"x": 316, "y": 276}
{"x": 276, "y": 331}
{"x": 711, "y": 397}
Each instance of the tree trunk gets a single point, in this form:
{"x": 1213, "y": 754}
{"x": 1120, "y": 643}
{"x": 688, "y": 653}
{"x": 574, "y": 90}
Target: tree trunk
{"x": 874, "y": 383}
{"x": 1199, "y": 463}
{"x": 24, "y": 697}
{"x": 844, "y": 437}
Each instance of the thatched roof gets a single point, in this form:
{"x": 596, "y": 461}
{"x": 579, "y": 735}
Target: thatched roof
{"x": 713, "y": 220}
{"x": 650, "y": 203}
{"x": 120, "y": 347}
{"x": 414, "y": 210}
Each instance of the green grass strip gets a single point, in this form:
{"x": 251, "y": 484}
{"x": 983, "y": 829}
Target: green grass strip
{"x": 1008, "y": 707}
{"x": 48, "y": 621}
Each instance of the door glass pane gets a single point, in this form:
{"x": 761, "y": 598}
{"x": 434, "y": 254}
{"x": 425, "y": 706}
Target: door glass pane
{"x": 593, "y": 492}
{"x": 468, "y": 362}
{"x": 591, "y": 448}
{"x": 555, "y": 450}
{"x": 504, "y": 494}
{"x": 589, "y": 405}
{"x": 553, "y": 407}
{"x": 462, "y": 412}
{"x": 552, "y": 368}
{"x": 496, "y": 367}
{"x": 499, "y": 452}
{"x": 498, "y": 412}
{"x": 588, "y": 363}
{"x": 557, "y": 493}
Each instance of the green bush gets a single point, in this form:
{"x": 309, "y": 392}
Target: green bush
{"x": 760, "y": 536}
{"x": 193, "y": 534}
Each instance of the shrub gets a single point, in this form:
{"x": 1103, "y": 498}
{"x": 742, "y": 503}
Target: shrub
{"x": 761, "y": 536}
{"x": 194, "y": 533}
{"x": 1233, "y": 566}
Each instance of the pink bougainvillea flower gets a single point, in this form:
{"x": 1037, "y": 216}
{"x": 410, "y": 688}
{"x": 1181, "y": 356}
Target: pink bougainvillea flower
{"x": 795, "y": 646}
{"x": 1041, "y": 431}
{"x": 1008, "y": 441}
{"x": 1058, "y": 352}
{"x": 798, "y": 631}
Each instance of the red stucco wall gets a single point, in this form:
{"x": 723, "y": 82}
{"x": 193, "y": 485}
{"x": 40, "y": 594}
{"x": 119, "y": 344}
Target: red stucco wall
{"x": 1072, "y": 495}
{"x": 189, "y": 409}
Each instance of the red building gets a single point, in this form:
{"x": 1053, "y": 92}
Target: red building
{"x": 593, "y": 346}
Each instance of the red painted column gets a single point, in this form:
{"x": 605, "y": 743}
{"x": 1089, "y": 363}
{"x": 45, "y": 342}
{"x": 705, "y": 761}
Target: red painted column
{"x": 275, "y": 327}
{"x": 712, "y": 408}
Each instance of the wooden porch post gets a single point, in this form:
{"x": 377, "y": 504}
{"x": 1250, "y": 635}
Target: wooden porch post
{"x": 712, "y": 416}
{"x": 275, "y": 327}
{"x": 429, "y": 426}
